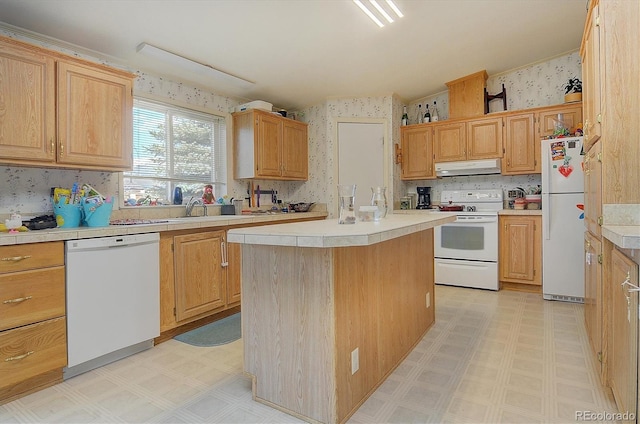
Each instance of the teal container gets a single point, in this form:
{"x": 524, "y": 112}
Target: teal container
{"x": 67, "y": 215}
{"x": 97, "y": 215}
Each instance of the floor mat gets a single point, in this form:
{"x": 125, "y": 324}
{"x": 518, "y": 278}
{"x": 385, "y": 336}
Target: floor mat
{"x": 217, "y": 333}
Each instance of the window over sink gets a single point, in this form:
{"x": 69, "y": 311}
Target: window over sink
{"x": 174, "y": 147}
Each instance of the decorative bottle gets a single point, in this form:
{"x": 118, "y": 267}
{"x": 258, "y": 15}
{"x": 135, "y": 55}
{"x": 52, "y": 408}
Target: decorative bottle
{"x": 434, "y": 114}
{"x": 405, "y": 117}
{"x": 419, "y": 118}
{"x": 427, "y": 115}
{"x": 379, "y": 199}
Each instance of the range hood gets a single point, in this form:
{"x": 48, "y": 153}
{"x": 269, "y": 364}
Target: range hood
{"x": 468, "y": 167}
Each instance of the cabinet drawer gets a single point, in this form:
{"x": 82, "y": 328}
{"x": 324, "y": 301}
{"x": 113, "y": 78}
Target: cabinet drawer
{"x": 32, "y": 350}
{"x": 31, "y": 296}
{"x": 20, "y": 257}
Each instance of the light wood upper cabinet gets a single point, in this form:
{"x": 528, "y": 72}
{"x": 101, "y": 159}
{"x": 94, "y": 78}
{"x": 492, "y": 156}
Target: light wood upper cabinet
{"x": 94, "y": 118}
{"x": 622, "y": 358}
{"x": 90, "y": 104}
{"x": 484, "y": 138}
{"x": 417, "y": 152}
{"x": 520, "y": 241}
{"x": 466, "y": 95}
{"x": 295, "y": 150}
{"x": 521, "y": 147}
{"x": 269, "y": 147}
{"x": 450, "y": 142}
{"x": 591, "y": 76}
{"x": 569, "y": 114}
{"x": 27, "y": 109}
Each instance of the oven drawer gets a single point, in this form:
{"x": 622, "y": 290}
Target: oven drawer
{"x": 461, "y": 273}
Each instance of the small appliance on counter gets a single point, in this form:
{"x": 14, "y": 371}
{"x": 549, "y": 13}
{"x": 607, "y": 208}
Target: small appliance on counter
{"x": 424, "y": 197}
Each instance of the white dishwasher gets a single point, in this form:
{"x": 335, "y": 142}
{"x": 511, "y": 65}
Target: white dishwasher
{"x": 113, "y": 299}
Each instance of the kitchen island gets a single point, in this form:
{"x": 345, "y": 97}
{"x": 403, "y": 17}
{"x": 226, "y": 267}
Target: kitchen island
{"x": 329, "y": 310}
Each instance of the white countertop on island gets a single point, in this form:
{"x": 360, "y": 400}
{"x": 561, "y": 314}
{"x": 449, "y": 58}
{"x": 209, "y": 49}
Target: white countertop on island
{"x": 329, "y": 233}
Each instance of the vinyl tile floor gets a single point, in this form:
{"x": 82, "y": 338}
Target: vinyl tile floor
{"x": 491, "y": 357}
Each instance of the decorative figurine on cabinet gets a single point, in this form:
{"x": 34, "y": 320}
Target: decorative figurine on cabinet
{"x": 208, "y": 197}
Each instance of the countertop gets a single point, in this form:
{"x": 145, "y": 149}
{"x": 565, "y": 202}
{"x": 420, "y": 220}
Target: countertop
{"x": 329, "y": 233}
{"x": 172, "y": 224}
{"x": 624, "y": 236}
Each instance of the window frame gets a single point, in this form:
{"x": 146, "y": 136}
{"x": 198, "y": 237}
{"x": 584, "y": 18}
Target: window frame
{"x": 222, "y": 174}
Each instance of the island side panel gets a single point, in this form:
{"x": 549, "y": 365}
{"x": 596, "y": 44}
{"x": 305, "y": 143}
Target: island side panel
{"x": 288, "y": 328}
{"x": 380, "y": 303}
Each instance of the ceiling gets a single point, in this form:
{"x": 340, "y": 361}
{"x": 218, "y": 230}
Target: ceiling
{"x": 301, "y": 52}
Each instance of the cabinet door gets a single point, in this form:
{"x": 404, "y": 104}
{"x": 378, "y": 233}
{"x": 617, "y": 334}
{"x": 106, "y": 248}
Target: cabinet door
{"x": 95, "y": 114}
{"x": 593, "y": 189}
{"x": 569, "y": 115}
{"x": 520, "y": 249}
{"x": 484, "y": 138}
{"x": 269, "y": 145}
{"x": 591, "y": 77}
{"x": 417, "y": 153}
{"x": 234, "y": 273}
{"x": 27, "y": 93}
{"x": 295, "y": 156}
{"x": 449, "y": 142}
{"x": 623, "y": 341}
{"x": 200, "y": 284}
{"x": 520, "y": 146}
{"x": 593, "y": 295}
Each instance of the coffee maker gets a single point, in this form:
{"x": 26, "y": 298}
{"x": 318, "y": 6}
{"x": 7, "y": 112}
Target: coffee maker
{"x": 424, "y": 197}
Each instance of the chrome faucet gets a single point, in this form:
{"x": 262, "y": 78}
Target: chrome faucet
{"x": 195, "y": 201}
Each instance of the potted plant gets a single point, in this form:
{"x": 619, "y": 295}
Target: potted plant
{"x": 573, "y": 90}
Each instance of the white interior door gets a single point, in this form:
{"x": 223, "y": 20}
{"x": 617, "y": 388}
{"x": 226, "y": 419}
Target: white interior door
{"x": 361, "y": 158}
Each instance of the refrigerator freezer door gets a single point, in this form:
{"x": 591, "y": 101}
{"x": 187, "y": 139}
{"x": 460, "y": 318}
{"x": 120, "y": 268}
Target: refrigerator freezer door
{"x": 562, "y": 249}
{"x": 562, "y": 165}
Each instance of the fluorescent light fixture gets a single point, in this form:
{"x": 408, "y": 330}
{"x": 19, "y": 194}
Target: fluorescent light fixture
{"x": 378, "y": 10}
{"x": 369, "y": 13}
{"x": 191, "y": 65}
{"x": 393, "y": 6}
{"x": 381, "y": 10}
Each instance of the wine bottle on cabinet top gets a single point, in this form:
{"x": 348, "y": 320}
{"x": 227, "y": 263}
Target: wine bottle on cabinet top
{"x": 434, "y": 113}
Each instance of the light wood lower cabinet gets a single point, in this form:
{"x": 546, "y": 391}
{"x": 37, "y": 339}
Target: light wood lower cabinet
{"x": 520, "y": 258}
{"x": 33, "y": 342}
{"x": 623, "y": 332}
{"x": 593, "y": 297}
{"x": 193, "y": 276}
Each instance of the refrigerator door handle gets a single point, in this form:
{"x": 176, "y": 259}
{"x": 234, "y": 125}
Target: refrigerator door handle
{"x": 546, "y": 215}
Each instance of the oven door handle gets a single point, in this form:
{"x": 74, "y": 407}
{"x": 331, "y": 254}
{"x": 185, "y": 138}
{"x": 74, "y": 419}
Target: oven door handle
{"x": 475, "y": 220}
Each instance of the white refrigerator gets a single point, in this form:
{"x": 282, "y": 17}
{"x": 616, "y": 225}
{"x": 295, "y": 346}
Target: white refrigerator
{"x": 562, "y": 219}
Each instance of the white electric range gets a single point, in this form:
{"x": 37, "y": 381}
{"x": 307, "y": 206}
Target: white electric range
{"x": 466, "y": 251}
